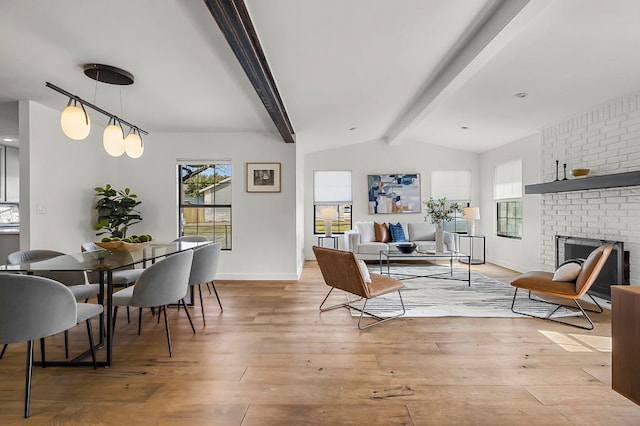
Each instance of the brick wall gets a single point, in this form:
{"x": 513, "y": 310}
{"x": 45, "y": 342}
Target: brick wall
{"x": 606, "y": 140}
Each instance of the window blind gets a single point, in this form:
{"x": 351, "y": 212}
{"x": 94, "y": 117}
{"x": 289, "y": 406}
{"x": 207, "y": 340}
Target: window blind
{"x": 453, "y": 185}
{"x": 332, "y": 187}
{"x": 508, "y": 180}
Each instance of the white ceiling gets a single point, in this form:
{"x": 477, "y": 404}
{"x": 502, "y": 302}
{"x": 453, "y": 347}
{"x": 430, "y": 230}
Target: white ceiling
{"x": 391, "y": 69}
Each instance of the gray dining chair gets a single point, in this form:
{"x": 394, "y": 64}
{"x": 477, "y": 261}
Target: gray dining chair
{"x": 163, "y": 283}
{"x": 196, "y": 239}
{"x": 203, "y": 270}
{"x": 33, "y": 307}
{"x": 192, "y": 239}
{"x": 120, "y": 277}
{"x": 75, "y": 280}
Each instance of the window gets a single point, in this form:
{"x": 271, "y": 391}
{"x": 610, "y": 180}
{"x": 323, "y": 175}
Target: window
{"x": 332, "y": 189}
{"x": 455, "y": 186}
{"x": 508, "y": 194}
{"x": 205, "y": 201}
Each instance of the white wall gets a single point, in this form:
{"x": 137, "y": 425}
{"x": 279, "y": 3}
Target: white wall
{"x": 379, "y": 157}
{"x": 517, "y": 254}
{"x": 60, "y": 175}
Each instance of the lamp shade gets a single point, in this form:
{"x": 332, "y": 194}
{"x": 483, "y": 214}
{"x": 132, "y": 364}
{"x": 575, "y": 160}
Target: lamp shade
{"x": 75, "y": 123}
{"x": 471, "y": 213}
{"x": 113, "y": 140}
{"x": 133, "y": 145}
{"x": 328, "y": 213}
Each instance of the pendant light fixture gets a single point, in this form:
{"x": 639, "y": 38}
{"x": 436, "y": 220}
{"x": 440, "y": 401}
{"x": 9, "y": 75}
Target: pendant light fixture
{"x": 113, "y": 139}
{"x": 76, "y": 124}
{"x": 75, "y": 121}
{"x": 133, "y": 143}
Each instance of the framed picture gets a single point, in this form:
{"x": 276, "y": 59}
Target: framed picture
{"x": 263, "y": 177}
{"x": 399, "y": 193}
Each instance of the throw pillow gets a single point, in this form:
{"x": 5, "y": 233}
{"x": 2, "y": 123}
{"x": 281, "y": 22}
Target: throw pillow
{"x": 365, "y": 229}
{"x": 381, "y": 231}
{"x": 364, "y": 271}
{"x": 397, "y": 233}
{"x": 568, "y": 270}
{"x": 422, "y": 231}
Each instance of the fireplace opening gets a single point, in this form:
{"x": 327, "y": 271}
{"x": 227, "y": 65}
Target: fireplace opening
{"x": 615, "y": 271}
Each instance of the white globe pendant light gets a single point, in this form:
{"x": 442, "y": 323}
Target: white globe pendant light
{"x": 133, "y": 144}
{"x": 75, "y": 122}
{"x": 113, "y": 139}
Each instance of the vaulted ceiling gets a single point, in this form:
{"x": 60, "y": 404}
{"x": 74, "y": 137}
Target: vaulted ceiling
{"x": 443, "y": 72}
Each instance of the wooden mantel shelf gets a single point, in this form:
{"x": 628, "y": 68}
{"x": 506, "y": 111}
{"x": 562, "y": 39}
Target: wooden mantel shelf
{"x": 585, "y": 183}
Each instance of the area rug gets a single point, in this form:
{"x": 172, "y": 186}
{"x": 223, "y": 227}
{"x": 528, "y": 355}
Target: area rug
{"x": 437, "y": 297}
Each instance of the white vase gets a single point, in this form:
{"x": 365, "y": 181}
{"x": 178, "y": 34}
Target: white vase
{"x": 439, "y": 239}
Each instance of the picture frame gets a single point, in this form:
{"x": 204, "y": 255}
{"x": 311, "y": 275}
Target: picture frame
{"x": 394, "y": 193}
{"x": 263, "y": 177}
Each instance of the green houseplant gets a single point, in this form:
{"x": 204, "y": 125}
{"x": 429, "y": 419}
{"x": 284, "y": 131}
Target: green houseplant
{"x": 439, "y": 212}
{"x": 116, "y": 211}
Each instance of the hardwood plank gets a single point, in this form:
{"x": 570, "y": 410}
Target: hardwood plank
{"x": 272, "y": 358}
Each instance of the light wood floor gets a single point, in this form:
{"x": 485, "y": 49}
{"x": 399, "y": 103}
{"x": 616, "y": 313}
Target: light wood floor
{"x": 272, "y": 359}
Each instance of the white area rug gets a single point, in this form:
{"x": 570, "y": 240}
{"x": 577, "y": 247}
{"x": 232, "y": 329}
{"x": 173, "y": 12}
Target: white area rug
{"x": 436, "y": 297}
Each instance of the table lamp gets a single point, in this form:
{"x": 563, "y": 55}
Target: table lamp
{"x": 471, "y": 214}
{"x": 328, "y": 214}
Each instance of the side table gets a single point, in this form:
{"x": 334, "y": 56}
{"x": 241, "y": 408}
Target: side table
{"x": 335, "y": 239}
{"x": 473, "y": 260}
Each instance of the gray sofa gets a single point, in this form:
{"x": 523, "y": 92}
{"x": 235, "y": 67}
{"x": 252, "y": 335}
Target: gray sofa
{"x": 361, "y": 240}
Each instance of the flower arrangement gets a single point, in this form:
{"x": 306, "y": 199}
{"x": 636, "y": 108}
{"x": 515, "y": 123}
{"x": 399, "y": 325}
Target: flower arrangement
{"x": 439, "y": 211}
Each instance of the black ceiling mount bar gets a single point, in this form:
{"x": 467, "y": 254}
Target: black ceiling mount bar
{"x": 235, "y": 23}
{"x": 92, "y": 106}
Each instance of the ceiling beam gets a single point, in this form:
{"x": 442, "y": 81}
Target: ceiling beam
{"x": 499, "y": 23}
{"x": 235, "y": 23}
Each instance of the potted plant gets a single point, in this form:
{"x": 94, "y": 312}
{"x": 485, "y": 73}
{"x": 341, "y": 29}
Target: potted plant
{"x": 439, "y": 212}
{"x": 116, "y": 211}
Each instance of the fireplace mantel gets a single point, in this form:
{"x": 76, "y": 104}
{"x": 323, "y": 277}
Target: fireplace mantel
{"x": 585, "y": 183}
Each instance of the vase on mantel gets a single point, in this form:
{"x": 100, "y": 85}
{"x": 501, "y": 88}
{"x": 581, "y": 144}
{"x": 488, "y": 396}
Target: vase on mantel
{"x": 439, "y": 239}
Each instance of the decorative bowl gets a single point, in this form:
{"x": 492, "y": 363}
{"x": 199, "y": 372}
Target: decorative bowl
{"x": 122, "y": 246}
{"x": 406, "y": 248}
{"x": 580, "y": 172}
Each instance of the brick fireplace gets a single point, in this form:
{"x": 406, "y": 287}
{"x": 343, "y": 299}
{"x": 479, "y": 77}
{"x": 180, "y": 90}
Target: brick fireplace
{"x": 606, "y": 140}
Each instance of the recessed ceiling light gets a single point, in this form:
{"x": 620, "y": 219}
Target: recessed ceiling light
{"x": 353, "y": 128}
{"x": 464, "y": 128}
{"x": 521, "y": 95}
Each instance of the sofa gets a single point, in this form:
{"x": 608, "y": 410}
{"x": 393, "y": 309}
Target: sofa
{"x": 367, "y": 239}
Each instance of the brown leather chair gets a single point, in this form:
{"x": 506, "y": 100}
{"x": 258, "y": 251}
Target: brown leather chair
{"x": 340, "y": 270}
{"x": 542, "y": 282}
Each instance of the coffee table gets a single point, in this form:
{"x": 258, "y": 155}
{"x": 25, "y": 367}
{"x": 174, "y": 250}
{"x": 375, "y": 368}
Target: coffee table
{"x": 386, "y": 257}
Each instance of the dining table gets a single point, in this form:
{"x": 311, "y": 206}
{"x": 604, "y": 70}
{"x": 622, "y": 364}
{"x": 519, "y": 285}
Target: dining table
{"x": 103, "y": 262}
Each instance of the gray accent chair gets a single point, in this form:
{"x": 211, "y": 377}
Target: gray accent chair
{"x": 163, "y": 283}
{"x": 203, "y": 270}
{"x": 33, "y": 307}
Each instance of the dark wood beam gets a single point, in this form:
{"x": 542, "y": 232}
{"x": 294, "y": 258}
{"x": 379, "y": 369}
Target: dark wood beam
{"x": 235, "y": 23}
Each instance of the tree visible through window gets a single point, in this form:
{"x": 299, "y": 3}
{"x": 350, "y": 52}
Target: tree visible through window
{"x": 205, "y": 201}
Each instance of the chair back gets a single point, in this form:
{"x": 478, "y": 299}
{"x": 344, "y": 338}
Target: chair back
{"x": 90, "y": 246}
{"x": 192, "y": 239}
{"x": 205, "y": 264}
{"x": 164, "y": 282}
{"x": 32, "y": 307}
{"x": 65, "y": 277}
{"x": 591, "y": 268}
{"x": 340, "y": 270}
